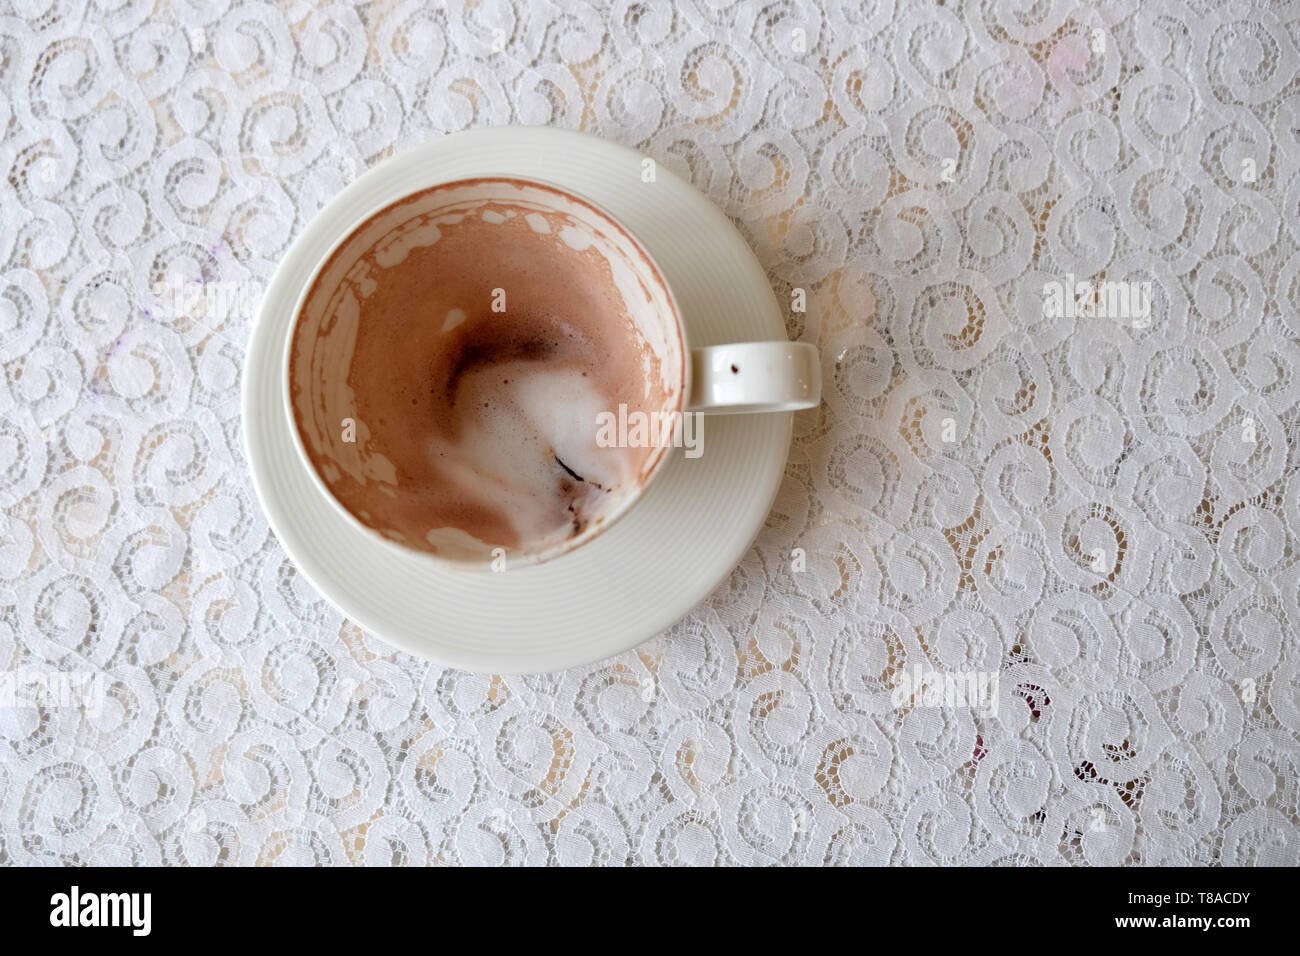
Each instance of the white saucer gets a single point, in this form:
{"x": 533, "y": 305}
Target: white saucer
{"x": 697, "y": 519}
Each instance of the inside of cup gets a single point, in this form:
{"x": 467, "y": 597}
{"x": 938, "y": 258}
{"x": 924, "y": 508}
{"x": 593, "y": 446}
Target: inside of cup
{"x": 587, "y": 421}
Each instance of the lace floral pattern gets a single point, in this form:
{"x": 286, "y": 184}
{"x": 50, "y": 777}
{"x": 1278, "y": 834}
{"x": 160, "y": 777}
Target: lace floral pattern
{"x": 1081, "y": 501}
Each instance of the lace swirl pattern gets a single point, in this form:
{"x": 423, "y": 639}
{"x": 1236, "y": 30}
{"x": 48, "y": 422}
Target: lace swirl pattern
{"x": 1031, "y": 589}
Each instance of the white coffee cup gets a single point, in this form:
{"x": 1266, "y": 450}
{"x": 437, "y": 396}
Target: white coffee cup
{"x": 738, "y": 378}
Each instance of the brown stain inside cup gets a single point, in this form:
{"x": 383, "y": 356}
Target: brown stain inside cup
{"x": 477, "y": 368}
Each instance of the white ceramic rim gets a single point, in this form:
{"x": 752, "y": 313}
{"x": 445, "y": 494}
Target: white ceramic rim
{"x": 691, "y": 529}
{"x": 560, "y": 548}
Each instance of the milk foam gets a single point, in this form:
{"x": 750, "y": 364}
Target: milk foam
{"x": 532, "y": 451}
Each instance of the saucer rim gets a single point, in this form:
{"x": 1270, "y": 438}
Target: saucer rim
{"x": 592, "y": 637}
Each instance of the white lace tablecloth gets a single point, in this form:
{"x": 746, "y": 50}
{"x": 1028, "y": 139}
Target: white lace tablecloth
{"x": 1093, "y": 515}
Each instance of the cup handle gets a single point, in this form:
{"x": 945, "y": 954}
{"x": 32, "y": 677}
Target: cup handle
{"x": 747, "y": 377}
